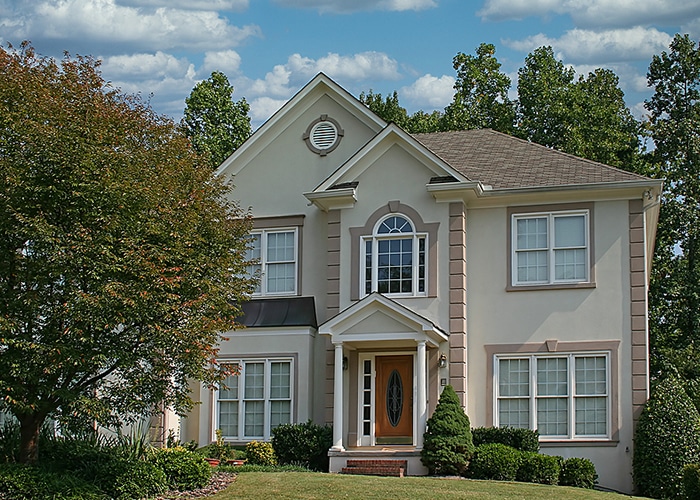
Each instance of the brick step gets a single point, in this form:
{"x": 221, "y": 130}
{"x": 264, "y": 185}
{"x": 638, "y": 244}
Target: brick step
{"x": 376, "y": 470}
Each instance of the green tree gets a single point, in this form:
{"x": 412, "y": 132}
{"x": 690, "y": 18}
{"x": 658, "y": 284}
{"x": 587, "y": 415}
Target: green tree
{"x": 447, "y": 443}
{"x": 674, "y": 296}
{"x": 586, "y": 117}
{"x": 481, "y": 93}
{"x": 216, "y": 124}
{"x": 389, "y": 110}
{"x": 666, "y": 439}
{"x": 120, "y": 257}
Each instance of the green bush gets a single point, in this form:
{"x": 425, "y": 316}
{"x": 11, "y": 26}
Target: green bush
{"x": 447, "y": 442}
{"x": 520, "y": 439}
{"x": 495, "y": 461}
{"x": 691, "y": 481}
{"x": 260, "y": 453}
{"x": 184, "y": 469}
{"x": 578, "y": 472}
{"x": 9, "y": 442}
{"x": 536, "y": 468}
{"x": 303, "y": 444}
{"x": 23, "y": 482}
{"x": 133, "y": 479}
{"x": 667, "y": 439}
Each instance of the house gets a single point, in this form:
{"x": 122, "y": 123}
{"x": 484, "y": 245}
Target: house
{"x": 394, "y": 264}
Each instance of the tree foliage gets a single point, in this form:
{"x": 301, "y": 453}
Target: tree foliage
{"x": 216, "y": 124}
{"x": 586, "y": 117}
{"x": 675, "y": 281}
{"x": 119, "y": 254}
{"x": 481, "y": 93}
{"x": 447, "y": 443}
{"x": 666, "y": 439}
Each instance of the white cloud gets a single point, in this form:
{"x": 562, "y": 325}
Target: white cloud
{"x": 226, "y": 61}
{"x": 263, "y": 108}
{"x": 376, "y": 65}
{"x": 596, "y": 13}
{"x": 107, "y": 23}
{"x": 348, "y": 6}
{"x": 142, "y": 66}
{"x": 429, "y": 92}
{"x": 599, "y": 47}
{"x": 226, "y": 5}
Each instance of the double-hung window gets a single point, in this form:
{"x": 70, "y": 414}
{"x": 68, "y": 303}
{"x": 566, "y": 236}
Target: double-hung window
{"x": 255, "y": 400}
{"x": 394, "y": 258}
{"x": 563, "y": 396}
{"x": 274, "y": 256}
{"x": 550, "y": 248}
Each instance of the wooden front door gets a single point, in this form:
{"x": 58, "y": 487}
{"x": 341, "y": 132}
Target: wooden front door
{"x": 394, "y": 403}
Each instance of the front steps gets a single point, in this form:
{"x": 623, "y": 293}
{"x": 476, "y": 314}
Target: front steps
{"x": 393, "y": 468}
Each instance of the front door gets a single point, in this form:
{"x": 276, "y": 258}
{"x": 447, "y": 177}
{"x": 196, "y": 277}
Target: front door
{"x": 394, "y": 403}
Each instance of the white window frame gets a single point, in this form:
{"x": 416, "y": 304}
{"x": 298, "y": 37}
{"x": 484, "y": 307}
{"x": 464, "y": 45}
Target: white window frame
{"x": 571, "y": 396}
{"x": 374, "y": 239}
{"x": 267, "y": 400}
{"x": 550, "y": 216}
{"x": 263, "y": 263}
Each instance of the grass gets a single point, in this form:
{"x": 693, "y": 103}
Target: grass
{"x": 314, "y": 485}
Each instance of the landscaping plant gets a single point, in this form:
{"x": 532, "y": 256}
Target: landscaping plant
{"x": 495, "y": 461}
{"x": 518, "y": 438}
{"x": 667, "y": 439}
{"x": 578, "y": 472}
{"x": 536, "y": 468}
{"x": 303, "y": 444}
{"x": 260, "y": 453}
{"x": 447, "y": 443}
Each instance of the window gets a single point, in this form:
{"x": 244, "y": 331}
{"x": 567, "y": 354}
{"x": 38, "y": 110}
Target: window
{"x": 550, "y": 248}
{"x": 256, "y": 400}
{"x": 563, "y": 396}
{"x": 275, "y": 255}
{"x": 394, "y": 258}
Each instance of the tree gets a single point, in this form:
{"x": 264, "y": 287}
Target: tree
{"x": 215, "y": 124}
{"x": 389, "y": 110}
{"x": 447, "y": 443}
{"x": 587, "y": 117}
{"x": 674, "y": 296}
{"x": 481, "y": 93}
{"x": 120, "y": 258}
{"x": 667, "y": 438}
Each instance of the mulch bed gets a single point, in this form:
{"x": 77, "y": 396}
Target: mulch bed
{"x": 219, "y": 481}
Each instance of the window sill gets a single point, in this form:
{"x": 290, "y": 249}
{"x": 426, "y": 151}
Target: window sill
{"x": 578, "y": 442}
{"x": 551, "y": 286}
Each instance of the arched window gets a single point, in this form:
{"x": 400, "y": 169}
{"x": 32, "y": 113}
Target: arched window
{"x": 394, "y": 258}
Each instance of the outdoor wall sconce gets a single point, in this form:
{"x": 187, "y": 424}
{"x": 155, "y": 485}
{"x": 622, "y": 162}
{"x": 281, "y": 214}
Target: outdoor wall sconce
{"x": 442, "y": 361}
{"x": 345, "y": 362}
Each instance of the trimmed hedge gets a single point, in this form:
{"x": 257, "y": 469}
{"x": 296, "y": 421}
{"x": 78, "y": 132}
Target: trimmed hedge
{"x": 520, "y": 439}
{"x": 447, "y": 442}
{"x": 536, "y": 468}
{"x": 578, "y": 472}
{"x": 495, "y": 461}
{"x": 24, "y": 482}
{"x": 667, "y": 439}
{"x": 305, "y": 445}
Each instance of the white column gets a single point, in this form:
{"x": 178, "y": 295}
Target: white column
{"x": 421, "y": 391}
{"x": 338, "y": 399}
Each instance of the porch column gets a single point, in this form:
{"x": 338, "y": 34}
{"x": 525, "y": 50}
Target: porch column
{"x": 338, "y": 399}
{"x": 421, "y": 391}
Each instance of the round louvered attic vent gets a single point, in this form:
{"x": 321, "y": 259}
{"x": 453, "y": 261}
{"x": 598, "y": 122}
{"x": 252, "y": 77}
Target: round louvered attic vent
{"x": 323, "y": 135}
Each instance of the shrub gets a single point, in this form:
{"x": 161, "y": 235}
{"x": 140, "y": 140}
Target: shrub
{"x": 691, "y": 481}
{"x": 520, "y": 439}
{"x": 260, "y": 453}
{"x": 184, "y": 470}
{"x": 667, "y": 438}
{"x": 578, "y": 472}
{"x": 19, "y": 481}
{"x": 303, "y": 444}
{"x": 9, "y": 442}
{"x": 133, "y": 479}
{"x": 536, "y": 468}
{"x": 495, "y": 461}
{"x": 447, "y": 442}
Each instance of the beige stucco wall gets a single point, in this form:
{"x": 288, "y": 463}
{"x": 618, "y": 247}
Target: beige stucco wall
{"x": 497, "y": 316}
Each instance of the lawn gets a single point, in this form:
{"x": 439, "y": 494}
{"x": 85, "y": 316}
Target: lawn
{"x": 314, "y": 485}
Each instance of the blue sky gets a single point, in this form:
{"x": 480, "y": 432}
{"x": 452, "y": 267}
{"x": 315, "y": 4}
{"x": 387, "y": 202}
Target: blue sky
{"x": 270, "y": 48}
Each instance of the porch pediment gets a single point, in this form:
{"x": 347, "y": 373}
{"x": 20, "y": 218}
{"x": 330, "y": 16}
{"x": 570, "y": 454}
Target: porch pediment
{"x": 377, "y": 318}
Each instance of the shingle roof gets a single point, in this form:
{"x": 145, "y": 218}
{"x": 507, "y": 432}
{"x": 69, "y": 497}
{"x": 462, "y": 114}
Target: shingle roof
{"x": 503, "y": 161}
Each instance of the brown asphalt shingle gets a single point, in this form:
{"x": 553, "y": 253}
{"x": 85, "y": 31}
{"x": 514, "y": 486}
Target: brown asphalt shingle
{"x": 503, "y": 161}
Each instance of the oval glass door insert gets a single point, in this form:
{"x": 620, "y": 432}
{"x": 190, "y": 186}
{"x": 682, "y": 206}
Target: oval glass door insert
{"x": 394, "y": 398}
